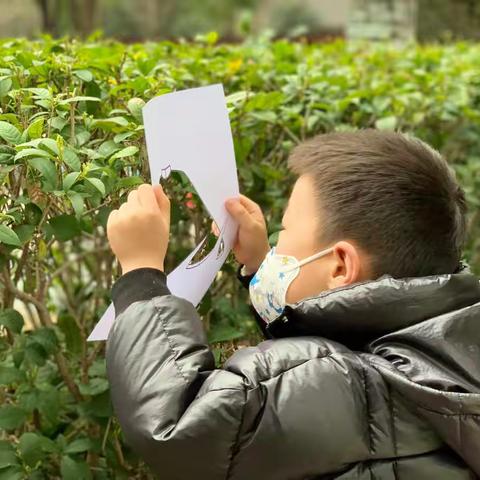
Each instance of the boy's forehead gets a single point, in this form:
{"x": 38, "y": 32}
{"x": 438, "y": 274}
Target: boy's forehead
{"x": 302, "y": 203}
{"x": 302, "y": 191}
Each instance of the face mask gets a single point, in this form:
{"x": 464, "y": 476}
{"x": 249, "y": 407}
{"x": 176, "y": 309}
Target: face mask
{"x": 269, "y": 285}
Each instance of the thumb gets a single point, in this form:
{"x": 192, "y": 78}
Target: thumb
{"x": 238, "y": 211}
{"x": 215, "y": 229}
{"x": 162, "y": 200}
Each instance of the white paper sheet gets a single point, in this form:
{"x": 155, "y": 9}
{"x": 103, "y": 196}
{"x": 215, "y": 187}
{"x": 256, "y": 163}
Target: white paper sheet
{"x": 189, "y": 130}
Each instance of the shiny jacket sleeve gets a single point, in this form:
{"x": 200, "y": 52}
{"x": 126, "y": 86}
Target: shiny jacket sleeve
{"x": 185, "y": 418}
{"x": 175, "y": 409}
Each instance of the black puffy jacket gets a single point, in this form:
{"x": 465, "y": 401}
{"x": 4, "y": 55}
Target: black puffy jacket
{"x": 376, "y": 380}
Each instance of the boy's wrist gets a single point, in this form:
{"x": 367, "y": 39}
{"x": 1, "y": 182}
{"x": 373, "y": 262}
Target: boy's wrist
{"x": 252, "y": 267}
{"x": 243, "y": 278}
{"x": 247, "y": 270}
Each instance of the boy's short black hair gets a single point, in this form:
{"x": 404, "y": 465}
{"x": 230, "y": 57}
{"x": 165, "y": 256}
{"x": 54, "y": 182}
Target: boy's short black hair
{"x": 392, "y": 194}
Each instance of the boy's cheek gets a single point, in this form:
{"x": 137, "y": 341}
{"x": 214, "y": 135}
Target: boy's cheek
{"x": 309, "y": 282}
{"x": 296, "y": 290}
{"x": 287, "y": 245}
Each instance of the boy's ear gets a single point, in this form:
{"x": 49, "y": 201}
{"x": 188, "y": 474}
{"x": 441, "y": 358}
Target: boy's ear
{"x": 346, "y": 264}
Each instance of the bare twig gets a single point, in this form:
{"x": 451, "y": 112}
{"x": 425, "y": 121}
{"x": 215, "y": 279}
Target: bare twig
{"x": 46, "y": 321}
{"x": 119, "y": 452}
{"x": 105, "y": 435}
{"x": 105, "y": 203}
{"x": 291, "y": 134}
{"x": 72, "y": 124}
{"x": 21, "y": 263}
{"x": 68, "y": 264}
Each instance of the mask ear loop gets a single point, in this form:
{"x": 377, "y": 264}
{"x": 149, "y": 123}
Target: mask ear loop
{"x": 309, "y": 259}
{"x": 315, "y": 256}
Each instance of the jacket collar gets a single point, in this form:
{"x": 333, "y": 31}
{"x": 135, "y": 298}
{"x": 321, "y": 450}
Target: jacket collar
{"x": 358, "y": 313}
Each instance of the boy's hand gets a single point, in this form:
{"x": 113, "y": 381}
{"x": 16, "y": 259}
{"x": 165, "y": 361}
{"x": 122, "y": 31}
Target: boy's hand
{"x": 138, "y": 232}
{"x": 252, "y": 244}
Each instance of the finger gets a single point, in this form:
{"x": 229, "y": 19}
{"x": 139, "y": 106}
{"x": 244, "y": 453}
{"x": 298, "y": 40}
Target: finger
{"x": 162, "y": 200}
{"x": 249, "y": 204}
{"x": 133, "y": 197}
{"x": 215, "y": 229}
{"x": 111, "y": 217}
{"x": 146, "y": 196}
{"x": 238, "y": 211}
{"x": 130, "y": 208}
{"x": 111, "y": 220}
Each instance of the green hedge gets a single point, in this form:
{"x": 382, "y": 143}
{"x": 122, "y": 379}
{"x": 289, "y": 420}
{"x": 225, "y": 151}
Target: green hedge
{"x": 71, "y": 148}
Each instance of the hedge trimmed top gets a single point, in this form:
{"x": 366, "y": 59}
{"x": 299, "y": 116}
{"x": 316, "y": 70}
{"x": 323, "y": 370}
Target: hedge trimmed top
{"x": 71, "y": 111}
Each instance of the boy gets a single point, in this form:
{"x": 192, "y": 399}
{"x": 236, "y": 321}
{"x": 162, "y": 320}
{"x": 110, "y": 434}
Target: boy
{"x": 372, "y": 369}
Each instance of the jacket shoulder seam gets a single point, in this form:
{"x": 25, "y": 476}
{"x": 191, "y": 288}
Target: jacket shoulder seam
{"x": 262, "y": 355}
{"x": 393, "y": 426}
{"x": 237, "y": 437}
{"x": 452, "y": 414}
{"x": 367, "y": 407}
{"x": 171, "y": 345}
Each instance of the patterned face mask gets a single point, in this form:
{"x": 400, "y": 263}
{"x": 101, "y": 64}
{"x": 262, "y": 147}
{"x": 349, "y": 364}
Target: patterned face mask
{"x": 269, "y": 285}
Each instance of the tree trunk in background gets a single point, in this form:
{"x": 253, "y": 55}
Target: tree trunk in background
{"x": 444, "y": 18}
{"x": 383, "y": 20}
{"x": 147, "y": 13}
{"x": 49, "y": 24}
{"x": 263, "y": 14}
{"x": 83, "y": 15}
{"x": 154, "y": 16}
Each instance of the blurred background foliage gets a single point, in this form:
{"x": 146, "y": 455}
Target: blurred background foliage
{"x": 72, "y": 147}
{"x": 134, "y": 20}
